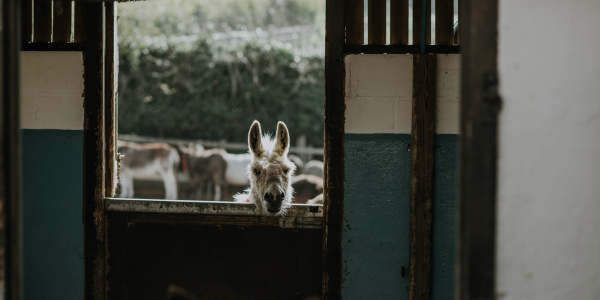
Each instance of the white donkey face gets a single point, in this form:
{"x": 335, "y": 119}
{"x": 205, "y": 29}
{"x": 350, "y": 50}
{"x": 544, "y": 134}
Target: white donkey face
{"x": 270, "y": 171}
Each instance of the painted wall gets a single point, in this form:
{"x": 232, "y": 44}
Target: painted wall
{"x": 548, "y": 239}
{"x": 377, "y": 176}
{"x": 52, "y": 128}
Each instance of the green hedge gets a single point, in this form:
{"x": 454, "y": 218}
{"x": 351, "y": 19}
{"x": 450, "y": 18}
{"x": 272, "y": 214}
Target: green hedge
{"x": 197, "y": 92}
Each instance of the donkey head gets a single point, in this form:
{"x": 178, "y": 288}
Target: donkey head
{"x": 270, "y": 171}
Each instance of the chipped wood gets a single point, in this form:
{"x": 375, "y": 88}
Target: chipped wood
{"x": 334, "y": 150}
{"x": 421, "y": 172}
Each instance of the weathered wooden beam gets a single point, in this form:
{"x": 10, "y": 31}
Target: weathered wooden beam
{"x": 42, "y": 21}
{"x": 79, "y": 19}
{"x": 376, "y": 19}
{"x": 421, "y": 172}
{"x": 480, "y": 103}
{"x": 444, "y": 21}
{"x": 111, "y": 81}
{"x": 26, "y": 21}
{"x": 11, "y": 220}
{"x": 335, "y": 108}
{"x": 93, "y": 154}
{"x": 61, "y": 29}
{"x": 398, "y": 22}
{"x": 400, "y": 49}
{"x": 355, "y": 22}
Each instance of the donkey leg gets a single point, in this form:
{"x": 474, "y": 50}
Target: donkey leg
{"x": 170, "y": 185}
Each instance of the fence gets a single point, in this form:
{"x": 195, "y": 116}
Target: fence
{"x": 305, "y": 152}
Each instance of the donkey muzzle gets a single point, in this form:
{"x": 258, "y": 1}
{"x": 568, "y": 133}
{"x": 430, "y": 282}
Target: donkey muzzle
{"x": 274, "y": 201}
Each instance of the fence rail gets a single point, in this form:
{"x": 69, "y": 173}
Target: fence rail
{"x": 308, "y": 150}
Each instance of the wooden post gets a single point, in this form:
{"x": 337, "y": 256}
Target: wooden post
{"x": 42, "y": 21}
{"x": 26, "y": 19}
{"x": 93, "y": 154}
{"x": 335, "y": 107}
{"x": 398, "y": 22}
{"x": 111, "y": 81}
{"x": 355, "y": 24}
{"x": 78, "y": 31}
{"x": 61, "y": 32}
{"x": 421, "y": 172}
{"x": 444, "y": 21}
{"x": 376, "y": 22}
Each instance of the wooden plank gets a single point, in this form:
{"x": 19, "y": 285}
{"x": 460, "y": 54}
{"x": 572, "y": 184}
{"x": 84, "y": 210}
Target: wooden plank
{"x": 444, "y": 21}
{"x": 421, "y": 170}
{"x": 376, "y": 19}
{"x": 398, "y": 22}
{"x": 335, "y": 108}
{"x": 355, "y": 22}
{"x": 93, "y": 155}
{"x": 11, "y": 231}
{"x": 42, "y": 21}
{"x": 400, "y": 49}
{"x": 110, "y": 120}
{"x": 61, "y": 29}
{"x": 418, "y": 22}
{"x": 478, "y": 151}
{"x": 79, "y": 30}
{"x": 26, "y": 21}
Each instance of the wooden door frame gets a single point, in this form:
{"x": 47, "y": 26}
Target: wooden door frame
{"x": 11, "y": 235}
{"x": 480, "y": 104}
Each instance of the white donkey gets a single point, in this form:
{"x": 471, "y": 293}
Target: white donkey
{"x": 147, "y": 161}
{"x": 270, "y": 171}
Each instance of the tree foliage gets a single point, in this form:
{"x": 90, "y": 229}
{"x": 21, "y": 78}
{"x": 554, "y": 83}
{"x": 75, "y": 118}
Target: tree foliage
{"x": 201, "y": 93}
{"x": 176, "y": 80}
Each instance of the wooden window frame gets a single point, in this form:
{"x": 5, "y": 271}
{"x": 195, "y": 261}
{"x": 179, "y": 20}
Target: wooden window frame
{"x": 479, "y": 107}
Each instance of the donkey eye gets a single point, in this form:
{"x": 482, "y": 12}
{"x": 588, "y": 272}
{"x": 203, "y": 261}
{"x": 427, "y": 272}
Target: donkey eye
{"x": 257, "y": 172}
{"x": 286, "y": 170}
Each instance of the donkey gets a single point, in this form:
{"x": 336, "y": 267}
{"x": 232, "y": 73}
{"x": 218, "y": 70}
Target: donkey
{"x": 148, "y": 160}
{"x": 207, "y": 173}
{"x": 270, "y": 171}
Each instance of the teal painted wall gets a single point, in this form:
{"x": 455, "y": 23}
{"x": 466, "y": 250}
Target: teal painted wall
{"x": 376, "y": 216}
{"x": 52, "y": 214}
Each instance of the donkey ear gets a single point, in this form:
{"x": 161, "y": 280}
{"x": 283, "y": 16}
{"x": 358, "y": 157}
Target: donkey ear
{"x": 282, "y": 143}
{"x": 255, "y": 139}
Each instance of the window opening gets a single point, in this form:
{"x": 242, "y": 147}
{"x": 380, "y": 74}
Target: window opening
{"x": 194, "y": 75}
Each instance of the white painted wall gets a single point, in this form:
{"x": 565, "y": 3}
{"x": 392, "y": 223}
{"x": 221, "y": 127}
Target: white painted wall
{"x": 548, "y": 241}
{"x": 379, "y": 93}
{"x": 52, "y": 90}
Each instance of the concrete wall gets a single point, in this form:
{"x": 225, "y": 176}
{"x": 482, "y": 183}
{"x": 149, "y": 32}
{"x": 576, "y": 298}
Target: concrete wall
{"x": 548, "y": 241}
{"x": 52, "y": 128}
{"x": 377, "y": 176}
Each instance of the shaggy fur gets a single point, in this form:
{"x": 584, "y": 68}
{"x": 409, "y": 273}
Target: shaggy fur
{"x": 270, "y": 171}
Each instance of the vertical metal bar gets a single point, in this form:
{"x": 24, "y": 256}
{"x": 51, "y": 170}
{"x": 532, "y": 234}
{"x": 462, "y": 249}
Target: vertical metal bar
{"x": 10, "y": 187}
{"x": 421, "y": 170}
{"x": 444, "y": 21}
{"x": 42, "y": 21}
{"x": 421, "y": 12}
{"x": 355, "y": 24}
{"x": 61, "y": 29}
{"x": 334, "y": 150}
{"x": 26, "y": 21}
{"x": 398, "y": 22}
{"x": 478, "y": 154}
{"x": 376, "y": 22}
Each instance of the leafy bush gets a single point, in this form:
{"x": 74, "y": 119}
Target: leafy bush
{"x": 198, "y": 91}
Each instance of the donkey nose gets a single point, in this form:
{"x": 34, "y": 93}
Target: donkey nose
{"x": 273, "y": 199}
